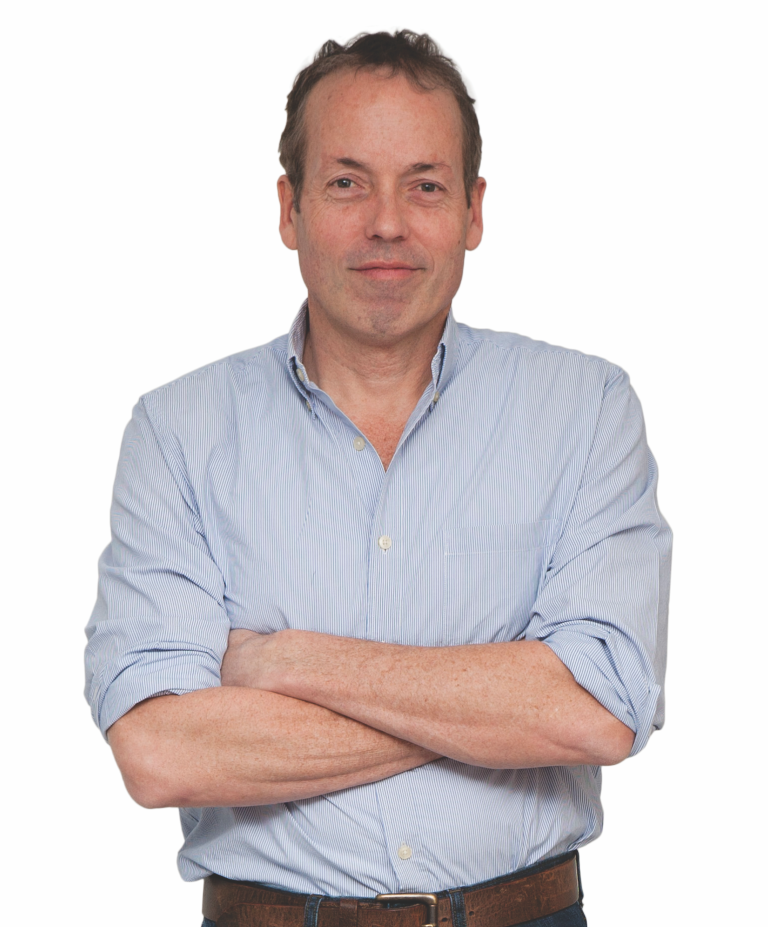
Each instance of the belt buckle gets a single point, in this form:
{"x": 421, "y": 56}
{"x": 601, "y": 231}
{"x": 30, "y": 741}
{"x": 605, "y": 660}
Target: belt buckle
{"x": 422, "y": 897}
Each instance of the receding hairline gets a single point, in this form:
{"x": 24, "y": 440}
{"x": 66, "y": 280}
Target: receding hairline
{"x": 393, "y": 73}
{"x": 381, "y": 71}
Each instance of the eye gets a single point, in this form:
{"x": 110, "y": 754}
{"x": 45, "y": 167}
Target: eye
{"x": 428, "y": 187}
{"x": 343, "y": 183}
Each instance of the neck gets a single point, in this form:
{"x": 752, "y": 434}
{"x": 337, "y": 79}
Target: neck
{"x": 375, "y": 383}
{"x": 380, "y": 373}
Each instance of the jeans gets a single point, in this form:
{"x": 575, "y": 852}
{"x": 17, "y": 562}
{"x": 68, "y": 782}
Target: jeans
{"x": 570, "y": 917}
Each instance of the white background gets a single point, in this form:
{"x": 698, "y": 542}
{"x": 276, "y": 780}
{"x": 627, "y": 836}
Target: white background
{"x": 626, "y": 154}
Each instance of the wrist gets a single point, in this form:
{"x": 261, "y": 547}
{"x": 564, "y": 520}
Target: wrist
{"x": 284, "y": 662}
{"x": 302, "y": 663}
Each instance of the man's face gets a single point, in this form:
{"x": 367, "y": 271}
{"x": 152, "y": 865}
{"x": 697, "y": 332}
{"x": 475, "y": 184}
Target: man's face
{"x": 384, "y": 222}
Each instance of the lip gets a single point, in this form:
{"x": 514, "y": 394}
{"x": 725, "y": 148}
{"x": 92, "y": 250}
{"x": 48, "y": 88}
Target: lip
{"x": 386, "y": 270}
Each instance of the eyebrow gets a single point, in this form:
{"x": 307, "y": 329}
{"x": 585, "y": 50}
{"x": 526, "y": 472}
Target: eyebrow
{"x": 413, "y": 169}
{"x": 427, "y": 166}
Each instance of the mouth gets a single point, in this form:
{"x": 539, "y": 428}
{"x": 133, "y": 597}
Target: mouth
{"x": 386, "y": 270}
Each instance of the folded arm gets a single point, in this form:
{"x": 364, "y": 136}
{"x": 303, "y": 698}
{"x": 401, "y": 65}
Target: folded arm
{"x": 501, "y": 705}
{"x": 228, "y": 746}
{"x": 302, "y": 713}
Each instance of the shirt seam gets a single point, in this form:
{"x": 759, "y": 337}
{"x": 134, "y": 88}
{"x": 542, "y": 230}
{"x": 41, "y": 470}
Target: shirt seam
{"x": 548, "y": 349}
{"x": 608, "y": 385}
{"x": 254, "y": 354}
{"x": 173, "y": 465}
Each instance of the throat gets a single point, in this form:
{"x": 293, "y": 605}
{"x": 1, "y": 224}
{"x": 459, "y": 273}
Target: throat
{"x": 377, "y": 392}
{"x": 382, "y": 433}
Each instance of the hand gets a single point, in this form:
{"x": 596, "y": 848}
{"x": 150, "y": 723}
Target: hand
{"x": 270, "y": 661}
{"x": 244, "y": 659}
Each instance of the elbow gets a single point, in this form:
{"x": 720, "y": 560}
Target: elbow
{"x": 612, "y": 744}
{"x": 147, "y": 788}
{"x": 148, "y": 772}
{"x": 147, "y": 794}
{"x": 143, "y": 782}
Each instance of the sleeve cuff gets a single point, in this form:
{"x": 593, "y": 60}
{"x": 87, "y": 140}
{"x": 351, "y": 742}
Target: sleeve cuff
{"x": 176, "y": 676}
{"x": 593, "y": 664}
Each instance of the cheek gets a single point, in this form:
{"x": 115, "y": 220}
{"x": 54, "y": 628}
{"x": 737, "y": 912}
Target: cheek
{"x": 440, "y": 233}
{"x": 447, "y": 252}
{"x": 328, "y": 235}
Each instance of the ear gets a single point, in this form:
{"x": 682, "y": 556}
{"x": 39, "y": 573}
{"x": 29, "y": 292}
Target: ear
{"x": 475, "y": 226}
{"x": 287, "y": 213}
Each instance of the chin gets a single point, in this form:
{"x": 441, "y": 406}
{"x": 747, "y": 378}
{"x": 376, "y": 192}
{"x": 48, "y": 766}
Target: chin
{"x": 394, "y": 321}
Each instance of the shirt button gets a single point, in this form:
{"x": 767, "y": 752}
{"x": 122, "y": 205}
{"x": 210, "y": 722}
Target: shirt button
{"x": 300, "y": 374}
{"x": 358, "y": 443}
{"x": 436, "y": 396}
{"x": 309, "y": 404}
{"x": 405, "y": 851}
{"x": 385, "y": 542}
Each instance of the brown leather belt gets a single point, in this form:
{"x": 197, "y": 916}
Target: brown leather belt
{"x": 523, "y": 896}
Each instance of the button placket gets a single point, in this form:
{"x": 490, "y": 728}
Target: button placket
{"x": 401, "y": 823}
{"x": 384, "y": 570}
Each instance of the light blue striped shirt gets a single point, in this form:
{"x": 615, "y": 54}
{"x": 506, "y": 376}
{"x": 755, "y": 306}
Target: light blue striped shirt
{"x": 520, "y": 504}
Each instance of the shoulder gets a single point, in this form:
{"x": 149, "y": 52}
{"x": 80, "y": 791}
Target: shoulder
{"x": 209, "y": 395}
{"x": 529, "y": 358}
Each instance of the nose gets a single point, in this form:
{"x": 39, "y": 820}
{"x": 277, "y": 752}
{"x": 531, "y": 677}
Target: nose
{"x": 386, "y": 218}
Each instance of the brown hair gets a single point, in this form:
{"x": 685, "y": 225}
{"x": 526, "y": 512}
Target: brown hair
{"x": 416, "y": 56}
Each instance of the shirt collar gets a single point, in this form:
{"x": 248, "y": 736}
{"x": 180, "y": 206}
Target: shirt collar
{"x": 443, "y": 363}
{"x": 297, "y": 336}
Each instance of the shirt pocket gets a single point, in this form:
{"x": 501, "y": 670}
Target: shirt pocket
{"x": 491, "y": 576}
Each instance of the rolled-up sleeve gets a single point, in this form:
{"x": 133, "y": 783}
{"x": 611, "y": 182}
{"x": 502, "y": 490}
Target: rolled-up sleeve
{"x": 602, "y": 606}
{"x": 160, "y": 625}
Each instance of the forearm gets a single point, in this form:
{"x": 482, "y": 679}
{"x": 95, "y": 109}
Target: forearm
{"x": 235, "y": 746}
{"x": 504, "y": 705}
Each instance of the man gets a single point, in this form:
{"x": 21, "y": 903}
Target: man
{"x": 385, "y": 594}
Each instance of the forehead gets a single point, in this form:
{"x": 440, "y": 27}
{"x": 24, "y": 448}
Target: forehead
{"x": 365, "y": 114}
